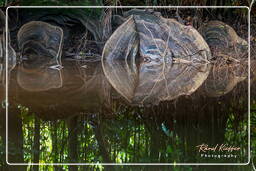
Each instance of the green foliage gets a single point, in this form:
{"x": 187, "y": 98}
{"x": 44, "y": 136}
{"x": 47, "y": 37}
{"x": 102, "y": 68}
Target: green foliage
{"x": 2, "y": 2}
{"x": 2, "y": 152}
{"x": 53, "y": 2}
{"x": 61, "y": 3}
{"x": 253, "y": 129}
{"x": 127, "y": 138}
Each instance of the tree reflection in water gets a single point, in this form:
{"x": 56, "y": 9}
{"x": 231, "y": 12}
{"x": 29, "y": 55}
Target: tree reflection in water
{"x": 85, "y": 120}
{"x": 106, "y": 129}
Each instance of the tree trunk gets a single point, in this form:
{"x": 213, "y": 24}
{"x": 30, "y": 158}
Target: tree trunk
{"x": 102, "y": 146}
{"x": 72, "y": 142}
{"x": 15, "y": 139}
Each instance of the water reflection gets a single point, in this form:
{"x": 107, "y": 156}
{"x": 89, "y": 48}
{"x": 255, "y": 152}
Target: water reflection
{"x": 129, "y": 135}
{"x": 11, "y": 56}
{"x": 149, "y": 59}
{"x": 229, "y": 68}
{"x": 86, "y": 121}
{"x": 40, "y": 44}
{"x": 83, "y": 90}
{"x": 72, "y": 114}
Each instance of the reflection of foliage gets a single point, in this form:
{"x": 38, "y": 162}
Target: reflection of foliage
{"x": 253, "y": 130}
{"x": 2, "y": 151}
{"x": 46, "y": 138}
{"x": 53, "y": 2}
{"x": 128, "y": 137}
{"x": 27, "y": 126}
{"x": 236, "y": 134}
{"x": 61, "y": 2}
{"x": 236, "y": 137}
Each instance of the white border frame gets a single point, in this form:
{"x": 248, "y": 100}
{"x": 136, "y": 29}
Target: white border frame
{"x": 157, "y": 164}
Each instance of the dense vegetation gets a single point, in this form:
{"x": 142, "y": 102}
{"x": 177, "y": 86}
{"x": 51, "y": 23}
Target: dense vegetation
{"x": 128, "y": 136}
